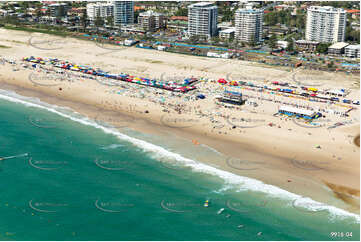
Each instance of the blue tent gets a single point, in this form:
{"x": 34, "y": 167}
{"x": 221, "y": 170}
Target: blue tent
{"x": 201, "y": 96}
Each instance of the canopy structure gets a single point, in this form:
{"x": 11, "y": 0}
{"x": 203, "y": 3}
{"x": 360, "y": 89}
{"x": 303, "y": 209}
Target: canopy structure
{"x": 292, "y": 111}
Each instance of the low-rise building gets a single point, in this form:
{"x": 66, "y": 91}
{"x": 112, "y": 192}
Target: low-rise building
{"x": 337, "y": 48}
{"x": 152, "y": 21}
{"x": 282, "y": 44}
{"x": 227, "y": 34}
{"x": 306, "y": 45}
{"x": 352, "y": 51}
{"x": 224, "y": 25}
{"x": 355, "y": 13}
{"x": 102, "y": 10}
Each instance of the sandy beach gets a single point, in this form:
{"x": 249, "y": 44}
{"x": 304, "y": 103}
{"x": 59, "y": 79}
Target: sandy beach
{"x": 284, "y": 153}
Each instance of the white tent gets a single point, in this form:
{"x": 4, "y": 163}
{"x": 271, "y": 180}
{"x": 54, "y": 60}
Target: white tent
{"x": 303, "y": 112}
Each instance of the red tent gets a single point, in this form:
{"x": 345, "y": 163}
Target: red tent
{"x": 223, "y": 81}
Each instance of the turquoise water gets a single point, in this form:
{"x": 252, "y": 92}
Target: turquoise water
{"x": 82, "y": 182}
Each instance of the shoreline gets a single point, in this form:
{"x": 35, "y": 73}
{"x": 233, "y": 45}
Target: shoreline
{"x": 315, "y": 189}
{"x": 285, "y": 150}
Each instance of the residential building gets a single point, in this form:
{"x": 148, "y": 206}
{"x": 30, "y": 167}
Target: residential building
{"x": 152, "y": 21}
{"x": 248, "y": 23}
{"x": 282, "y": 44}
{"x": 227, "y": 34}
{"x": 123, "y": 12}
{"x": 337, "y": 48}
{"x": 100, "y": 9}
{"x": 305, "y": 45}
{"x": 352, "y": 51}
{"x": 58, "y": 9}
{"x": 355, "y": 13}
{"x": 202, "y": 19}
{"x": 224, "y": 25}
{"x": 326, "y": 24}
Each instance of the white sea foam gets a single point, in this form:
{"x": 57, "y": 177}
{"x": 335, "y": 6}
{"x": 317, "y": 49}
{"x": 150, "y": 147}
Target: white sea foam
{"x": 243, "y": 183}
{"x": 111, "y": 147}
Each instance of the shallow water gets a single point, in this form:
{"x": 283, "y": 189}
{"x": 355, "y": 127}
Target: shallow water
{"x": 82, "y": 181}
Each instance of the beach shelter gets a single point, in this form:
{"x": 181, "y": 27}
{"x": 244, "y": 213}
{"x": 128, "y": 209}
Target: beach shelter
{"x": 313, "y": 89}
{"x": 222, "y": 81}
{"x": 234, "y": 83}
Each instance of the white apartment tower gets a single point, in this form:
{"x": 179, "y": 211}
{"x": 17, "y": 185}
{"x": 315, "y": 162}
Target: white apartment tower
{"x": 202, "y": 19}
{"x": 326, "y": 24}
{"x": 101, "y": 9}
{"x": 123, "y": 12}
{"x": 248, "y": 23}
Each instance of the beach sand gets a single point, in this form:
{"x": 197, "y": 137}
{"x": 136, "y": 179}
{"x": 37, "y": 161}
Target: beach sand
{"x": 285, "y": 154}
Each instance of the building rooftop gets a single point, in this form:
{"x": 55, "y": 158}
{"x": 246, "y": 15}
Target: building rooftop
{"x": 353, "y": 11}
{"x": 338, "y": 45}
{"x": 250, "y": 10}
{"x": 355, "y": 47}
{"x": 228, "y": 31}
{"x": 150, "y": 13}
{"x": 202, "y": 4}
{"x": 302, "y": 41}
{"x": 297, "y": 110}
{"x": 327, "y": 9}
{"x": 182, "y": 18}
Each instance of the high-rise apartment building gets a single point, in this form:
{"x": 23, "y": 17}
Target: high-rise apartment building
{"x": 123, "y": 12}
{"x": 202, "y": 19}
{"x": 326, "y": 24}
{"x": 248, "y": 23}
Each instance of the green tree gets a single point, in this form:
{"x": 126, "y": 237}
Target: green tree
{"x": 84, "y": 20}
{"x": 99, "y": 21}
{"x": 272, "y": 41}
{"x": 290, "y": 46}
{"x": 181, "y": 12}
{"x": 330, "y": 65}
{"x": 352, "y": 35}
{"x": 322, "y": 48}
{"x": 194, "y": 39}
{"x": 110, "y": 21}
{"x": 215, "y": 39}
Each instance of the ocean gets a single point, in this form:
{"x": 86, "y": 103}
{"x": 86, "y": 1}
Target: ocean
{"x": 77, "y": 179}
